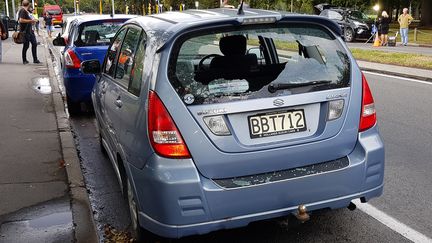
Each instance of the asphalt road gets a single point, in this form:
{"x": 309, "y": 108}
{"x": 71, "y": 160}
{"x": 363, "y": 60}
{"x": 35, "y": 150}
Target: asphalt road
{"x": 404, "y": 114}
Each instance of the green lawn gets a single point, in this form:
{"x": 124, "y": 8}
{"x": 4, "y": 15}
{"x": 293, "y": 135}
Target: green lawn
{"x": 394, "y": 58}
{"x": 424, "y": 36}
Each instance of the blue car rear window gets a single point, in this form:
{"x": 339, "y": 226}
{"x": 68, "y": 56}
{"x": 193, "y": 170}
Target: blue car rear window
{"x": 97, "y": 33}
{"x": 243, "y": 62}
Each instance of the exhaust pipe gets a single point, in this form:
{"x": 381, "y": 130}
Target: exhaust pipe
{"x": 352, "y": 206}
{"x": 302, "y": 214}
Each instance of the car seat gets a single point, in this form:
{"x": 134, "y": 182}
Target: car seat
{"x": 235, "y": 63}
{"x": 91, "y": 37}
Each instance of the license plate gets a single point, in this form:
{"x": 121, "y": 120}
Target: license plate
{"x": 277, "y": 123}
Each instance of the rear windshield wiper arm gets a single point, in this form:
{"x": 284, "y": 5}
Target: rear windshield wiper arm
{"x": 272, "y": 88}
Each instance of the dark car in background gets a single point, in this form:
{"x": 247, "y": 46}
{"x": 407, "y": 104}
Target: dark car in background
{"x": 11, "y": 24}
{"x": 355, "y": 24}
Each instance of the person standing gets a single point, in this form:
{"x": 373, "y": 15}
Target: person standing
{"x": 25, "y": 25}
{"x": 3, "y": 35}
{"x": 384, "y": 22}
{"x": 48, "y": 24}
{"x": 404, "y": 21}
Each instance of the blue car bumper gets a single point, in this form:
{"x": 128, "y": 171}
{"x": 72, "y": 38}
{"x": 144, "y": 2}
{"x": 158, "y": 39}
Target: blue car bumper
{"x": 174, "y": 200}
{"x": 78, "y": 85}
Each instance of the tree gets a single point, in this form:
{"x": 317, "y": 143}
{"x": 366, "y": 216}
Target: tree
{"x": 426, "y": 13}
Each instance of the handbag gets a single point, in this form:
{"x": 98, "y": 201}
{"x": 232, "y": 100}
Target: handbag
{"x": 18, "y": 37}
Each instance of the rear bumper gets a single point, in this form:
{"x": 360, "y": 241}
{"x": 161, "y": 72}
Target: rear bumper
{"x": 182, "y": 202}
{"x": 78, "y": 86}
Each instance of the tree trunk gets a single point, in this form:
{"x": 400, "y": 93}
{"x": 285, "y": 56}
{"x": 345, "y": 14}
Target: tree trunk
{"x": 426, "y": 13}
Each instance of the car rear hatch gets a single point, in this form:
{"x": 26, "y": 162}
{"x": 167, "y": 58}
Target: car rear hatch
{"x": 93, "y": 37}
{"x": 262, "y": 99}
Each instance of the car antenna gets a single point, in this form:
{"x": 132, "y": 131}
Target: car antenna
{"x": 240, "y": 9}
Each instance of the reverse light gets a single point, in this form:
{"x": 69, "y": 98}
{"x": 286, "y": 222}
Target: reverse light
{"x": 71, "y": 60}
{"x": 368, "y": 112}
{"x": 217, "y": 125}
{"x": 164, "y": 135}
{"x": 335, "y": 109}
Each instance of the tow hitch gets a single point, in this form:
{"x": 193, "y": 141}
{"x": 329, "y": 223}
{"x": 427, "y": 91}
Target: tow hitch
{"x": 302, "y": 214}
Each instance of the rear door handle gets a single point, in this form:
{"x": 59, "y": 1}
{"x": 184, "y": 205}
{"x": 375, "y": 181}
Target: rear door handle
{"x": 118, "y": 102}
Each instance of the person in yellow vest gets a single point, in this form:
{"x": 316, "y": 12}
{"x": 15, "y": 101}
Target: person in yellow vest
{"x": 36, "y": 16}
{"x": 404, "y": 21}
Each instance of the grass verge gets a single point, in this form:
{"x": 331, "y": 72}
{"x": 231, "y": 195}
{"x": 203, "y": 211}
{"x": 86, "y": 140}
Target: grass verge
{"x": 394, "y": 58}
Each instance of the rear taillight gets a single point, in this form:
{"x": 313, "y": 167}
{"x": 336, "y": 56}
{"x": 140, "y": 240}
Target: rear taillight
{"x": 368, "y": 113}
{"x": 71, "y": 59}
{"x": 164, "y": 135}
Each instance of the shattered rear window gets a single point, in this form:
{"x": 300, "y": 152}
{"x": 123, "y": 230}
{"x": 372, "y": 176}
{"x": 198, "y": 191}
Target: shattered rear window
{"x": 248, "y": 62}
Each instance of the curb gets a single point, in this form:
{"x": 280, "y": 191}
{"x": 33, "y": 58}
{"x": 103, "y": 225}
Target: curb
{"x": 426, "y": 79}
{"x": 82, "y": 215}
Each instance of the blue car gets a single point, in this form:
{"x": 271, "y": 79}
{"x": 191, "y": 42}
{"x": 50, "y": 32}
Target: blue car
{"x": 214, "y": 119}
{"x": 87, "y": 37}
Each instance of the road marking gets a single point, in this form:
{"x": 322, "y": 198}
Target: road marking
{"x": 392, "y": 76}
{"x": 392, "y": 223}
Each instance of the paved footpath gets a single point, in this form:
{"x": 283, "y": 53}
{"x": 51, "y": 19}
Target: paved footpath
{"x": 35, "y": 196}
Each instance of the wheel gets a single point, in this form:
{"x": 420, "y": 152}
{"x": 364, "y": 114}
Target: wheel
{"x": 349, "y": 35}
{"x": 140, "y": 234}
{"x": 74, "y": 108}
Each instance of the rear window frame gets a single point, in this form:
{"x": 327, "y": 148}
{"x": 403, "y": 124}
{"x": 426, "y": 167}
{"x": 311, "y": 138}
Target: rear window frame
{"x": 178, "y": 42}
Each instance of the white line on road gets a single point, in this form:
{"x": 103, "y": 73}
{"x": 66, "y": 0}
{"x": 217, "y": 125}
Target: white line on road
{"x": 392, "y": 223}
{"x": 392, "y": 76}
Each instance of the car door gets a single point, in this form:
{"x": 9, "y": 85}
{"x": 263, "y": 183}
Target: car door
{"x": 101, "y": 86}
{"x": 117, "y": 85}
{"x": 133, "y": 112}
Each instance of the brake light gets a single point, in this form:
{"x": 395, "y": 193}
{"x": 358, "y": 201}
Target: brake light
{"x": 368, "y": 113}
{"x": 164, "y": 135}
{"x": 72, "y": 60}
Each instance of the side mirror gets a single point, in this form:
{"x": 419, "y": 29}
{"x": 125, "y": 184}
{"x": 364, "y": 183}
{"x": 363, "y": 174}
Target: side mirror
{"x": 256, "y": 51}
{"x": 91, "y": 67}
{"x": 59, "y": 41}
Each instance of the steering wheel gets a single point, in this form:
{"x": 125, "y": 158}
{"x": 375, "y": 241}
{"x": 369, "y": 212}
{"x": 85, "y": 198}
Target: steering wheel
{"x": 200, "y": 64}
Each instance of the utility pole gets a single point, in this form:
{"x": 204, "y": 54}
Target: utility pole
{"x": 113, "y": 11}
{"x": 13, "y": 9}
{"x": 7, "y": 8}
{"x": 291, "y": 6}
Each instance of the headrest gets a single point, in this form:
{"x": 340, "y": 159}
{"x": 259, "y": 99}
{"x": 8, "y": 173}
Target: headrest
{"x": 92, "y": 34}
{"x": 233, "y": 45}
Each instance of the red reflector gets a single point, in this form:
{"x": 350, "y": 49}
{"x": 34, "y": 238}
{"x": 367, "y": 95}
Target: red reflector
{"x": 164, "y": 135}
{"x": 368, "y": 113}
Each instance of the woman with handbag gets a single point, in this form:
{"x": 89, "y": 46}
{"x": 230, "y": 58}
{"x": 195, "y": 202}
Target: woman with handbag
{"x": 3, "y": 36}
{"x": 25, "y": 24}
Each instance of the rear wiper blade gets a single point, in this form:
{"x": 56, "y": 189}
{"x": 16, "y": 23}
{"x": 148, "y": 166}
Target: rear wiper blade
{"x": 272, "y": 88}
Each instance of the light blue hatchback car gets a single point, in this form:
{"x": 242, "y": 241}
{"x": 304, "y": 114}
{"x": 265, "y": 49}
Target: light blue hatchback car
{"x": 217, "y": 118}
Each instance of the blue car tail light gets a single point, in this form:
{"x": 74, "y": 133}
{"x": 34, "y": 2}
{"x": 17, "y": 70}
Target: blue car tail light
{"x": 72, "y": 60}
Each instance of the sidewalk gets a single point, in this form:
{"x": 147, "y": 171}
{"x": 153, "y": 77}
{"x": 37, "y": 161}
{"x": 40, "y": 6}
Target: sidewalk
{"x": 36, "y": 193}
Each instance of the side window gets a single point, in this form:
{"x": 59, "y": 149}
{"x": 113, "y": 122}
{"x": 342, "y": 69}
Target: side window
{"x": 127, "y": 56}
{"x": 110, "y": 59}
{"x": 137, "y": 70}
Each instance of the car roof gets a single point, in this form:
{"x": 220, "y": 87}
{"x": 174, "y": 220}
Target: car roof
{"x": 166, "y": 26}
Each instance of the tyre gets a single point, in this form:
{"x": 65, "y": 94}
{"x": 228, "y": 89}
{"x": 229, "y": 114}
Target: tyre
{"x": 74, "y": 108}
{"x": 140, "y": 234}
{"x": 349, "y": 35}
